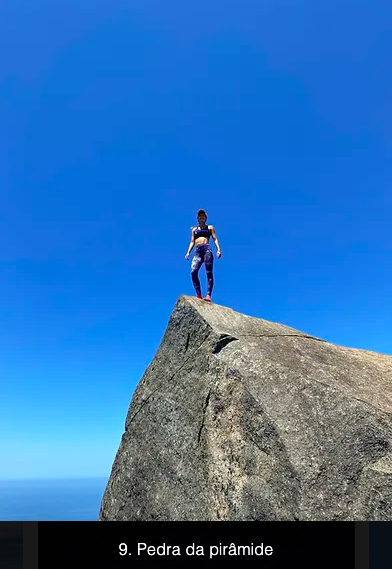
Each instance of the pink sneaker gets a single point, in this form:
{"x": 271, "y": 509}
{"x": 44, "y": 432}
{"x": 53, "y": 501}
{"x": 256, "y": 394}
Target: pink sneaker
{"x": 207, "y": 298}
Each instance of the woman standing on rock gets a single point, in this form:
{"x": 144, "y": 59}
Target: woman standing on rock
{"x": 203, "y": 253}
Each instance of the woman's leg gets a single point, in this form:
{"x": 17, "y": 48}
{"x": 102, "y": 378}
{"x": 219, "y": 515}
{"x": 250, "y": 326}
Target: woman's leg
{"x": 196, "y": 264}
{"x": 209, "y": 262}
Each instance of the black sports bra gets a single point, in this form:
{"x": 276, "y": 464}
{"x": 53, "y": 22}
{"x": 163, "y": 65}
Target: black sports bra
{"x": 205, "y": 232}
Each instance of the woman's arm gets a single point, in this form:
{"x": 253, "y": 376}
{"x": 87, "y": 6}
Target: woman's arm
{"x": 191, "y": 244}
{"x": 212, "y": 229}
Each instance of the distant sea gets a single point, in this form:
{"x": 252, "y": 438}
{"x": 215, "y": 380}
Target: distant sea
{"x": 70, "y": 499}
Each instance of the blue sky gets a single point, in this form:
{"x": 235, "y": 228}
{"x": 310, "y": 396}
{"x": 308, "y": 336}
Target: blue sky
{"x": 119, "y": 120}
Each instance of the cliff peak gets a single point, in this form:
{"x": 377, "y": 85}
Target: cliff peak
{"x": 239, "y": 418}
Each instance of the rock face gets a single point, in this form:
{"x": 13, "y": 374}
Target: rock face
{"x": 238, "y": 418}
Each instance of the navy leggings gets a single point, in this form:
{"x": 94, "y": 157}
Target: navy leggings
{"x": 203, "y": 253}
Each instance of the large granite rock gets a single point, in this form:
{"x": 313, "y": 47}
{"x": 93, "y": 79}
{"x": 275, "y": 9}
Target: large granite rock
{"x": 238, "y": 418}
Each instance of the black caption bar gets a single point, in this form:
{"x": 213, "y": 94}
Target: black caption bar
{"x": 195, "y": 544}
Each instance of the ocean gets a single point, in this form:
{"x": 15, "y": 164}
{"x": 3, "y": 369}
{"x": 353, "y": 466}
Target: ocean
{"x": 51, "y": 500}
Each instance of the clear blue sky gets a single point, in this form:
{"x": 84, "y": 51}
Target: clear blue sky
{"x": 118, "y": 121}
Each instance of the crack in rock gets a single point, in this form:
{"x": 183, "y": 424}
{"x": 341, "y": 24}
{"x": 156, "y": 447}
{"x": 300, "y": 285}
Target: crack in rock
{"x": 143, "y": 403}
{"x": 204, "y": 414}
{"x": 222, "y": 342}
{"x": 281, "y": 336}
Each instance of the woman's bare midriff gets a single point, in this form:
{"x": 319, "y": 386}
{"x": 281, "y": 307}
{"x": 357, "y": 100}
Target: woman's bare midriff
{"x": 201, "y": 241}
